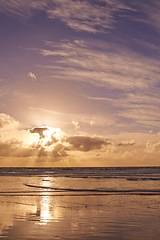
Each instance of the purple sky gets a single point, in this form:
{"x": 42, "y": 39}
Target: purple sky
{"x": 90, "y": 68}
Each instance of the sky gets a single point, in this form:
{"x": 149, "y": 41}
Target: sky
{"x": 79, "y": 83}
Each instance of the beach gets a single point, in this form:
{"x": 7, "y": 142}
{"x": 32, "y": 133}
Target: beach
{"x": 79, "y": 203}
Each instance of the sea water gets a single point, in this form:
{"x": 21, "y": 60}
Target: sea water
{"x": 80, "y": 203}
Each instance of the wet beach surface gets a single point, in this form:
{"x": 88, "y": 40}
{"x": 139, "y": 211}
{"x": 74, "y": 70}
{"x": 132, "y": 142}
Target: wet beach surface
{"x": 48, "y": 207}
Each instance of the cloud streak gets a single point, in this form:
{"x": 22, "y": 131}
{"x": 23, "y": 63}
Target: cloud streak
{"x": 90, "y": 16}
{"x": 80, "y": 15}
{"x": 121, "y": 69}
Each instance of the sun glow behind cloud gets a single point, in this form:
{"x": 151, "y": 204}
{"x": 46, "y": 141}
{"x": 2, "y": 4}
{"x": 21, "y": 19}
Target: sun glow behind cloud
{"x": 47, "y": 136}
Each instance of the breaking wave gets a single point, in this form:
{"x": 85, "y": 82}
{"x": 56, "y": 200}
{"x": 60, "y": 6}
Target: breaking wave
{"x": 107, "y": 191}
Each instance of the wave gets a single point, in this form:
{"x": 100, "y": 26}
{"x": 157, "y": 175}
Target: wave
{"x": 52, "y": 191}
{"x": 65, "y": 189}
{"x": 143, "y": 179}
{"x": 82, "y": 194}
{"x": 138, "y": 173}
{"x": 96, "y": 190}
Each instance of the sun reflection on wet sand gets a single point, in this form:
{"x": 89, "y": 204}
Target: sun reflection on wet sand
{"x": 48, "y": 211}
{"x": 45, "y": 203}
{"x": 45, "y": 212}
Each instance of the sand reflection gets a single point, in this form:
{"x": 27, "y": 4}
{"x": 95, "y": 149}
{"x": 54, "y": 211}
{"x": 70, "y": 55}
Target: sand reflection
{"x": 48, "y": 211}
{"x": 45, "y": 211}
{"x": 45, "y": 204}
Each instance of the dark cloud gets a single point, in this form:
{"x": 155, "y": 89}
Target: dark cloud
{"x": 14, "y": 148}
{"x": 41, "y": 152}
{"x": 51, "y": 142}
{"x": 59, "y": 151}
{"x": 85, "y": 143}
{"x": 39, "y": 131}
{"x": 5, "y": 149}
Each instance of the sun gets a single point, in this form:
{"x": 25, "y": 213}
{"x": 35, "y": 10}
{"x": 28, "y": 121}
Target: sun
{"x": 48, "y": 133}
{"x": 47, "y": 136}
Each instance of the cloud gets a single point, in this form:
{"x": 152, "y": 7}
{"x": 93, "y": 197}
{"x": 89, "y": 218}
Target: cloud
{"x": 52, "y": 141}
{"x": 85, "y": 143}
{"x": 141, "y": 109}
{"x": 76, "y": 124}
{"x": 41, "y": 152}
{"x": 80, "y": 15}
{"x": 48, "y": 135}
{"x": 137, "y": 108}
{"x": 59, "y": 151}
{"x": 138, "y": 76}
{"x": 20, "y": 8}
{"x": 6, "y": 149}
{"x": 90, "y": 16}
{"x": 152, "y": 147}
{"x": 118, "y": 69}
{"x": 32, "y": 76}
{"x": 127, "y": 143}
{"x": 7, "y": 122}
{"x": 62, "y": 145}
{"x": 40, "y": 131}
{"x": 49, "y": 146}
{"x": 14, "y": 148}
{"x": 46, "y": 142}
{"x": 152, "y": 10}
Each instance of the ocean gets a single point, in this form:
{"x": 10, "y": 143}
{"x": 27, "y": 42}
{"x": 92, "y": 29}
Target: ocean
{"x": 121, "y": 203}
